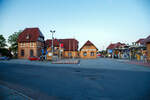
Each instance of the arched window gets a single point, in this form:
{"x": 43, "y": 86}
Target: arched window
{"x": 84, "y": 53}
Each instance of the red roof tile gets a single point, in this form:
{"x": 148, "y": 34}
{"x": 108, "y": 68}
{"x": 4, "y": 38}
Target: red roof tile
{"x": 33, "y": 33}
{"x": 147, "y": 40}
{"x": 88, "y": 43}
{"x": 69, "y": 44}
{"x": 141, "y": 41}
{"x": 111, "y": 46}
{"x": 115, "y": 45}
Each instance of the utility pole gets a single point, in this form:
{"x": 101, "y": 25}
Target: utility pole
{"x": 59, "y": 49}
{"x": 52, "y": 31}
{"x": 69, "y": 48}
{"x": 74, "y": 48}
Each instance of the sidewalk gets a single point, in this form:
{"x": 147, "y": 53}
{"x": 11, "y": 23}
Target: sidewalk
{"x": 139, "y": 63}
{"x": 67, "y": 61}
{"x": 142, "y": 63}
{"x": 42, "y": 63}
{"x": 10, "y": 94}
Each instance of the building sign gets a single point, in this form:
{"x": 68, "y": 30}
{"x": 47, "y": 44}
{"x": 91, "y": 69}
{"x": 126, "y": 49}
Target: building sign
{"x": 42, "y": 51}
{"x": 88, "y": 49}
{"x": 61, "y": 45}
{"x": 109, "y": 51}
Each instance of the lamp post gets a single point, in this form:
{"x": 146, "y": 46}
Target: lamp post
{"x": 52, "y": 31}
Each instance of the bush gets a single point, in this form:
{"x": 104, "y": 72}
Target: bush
{"x": 5, "y": 52}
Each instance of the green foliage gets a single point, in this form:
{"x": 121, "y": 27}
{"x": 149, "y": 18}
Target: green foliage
{"x": 5, "y": 52}
{"x": 2, "y": 41}
{"x": 12, "y": 40}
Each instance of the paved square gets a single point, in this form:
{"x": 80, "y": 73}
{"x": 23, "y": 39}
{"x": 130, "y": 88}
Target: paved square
{"x": 97, "y": 79}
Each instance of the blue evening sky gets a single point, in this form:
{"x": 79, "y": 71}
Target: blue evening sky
{"x": 100, "y": 21}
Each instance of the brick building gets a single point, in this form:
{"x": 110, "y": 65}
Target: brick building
{"x": 63, "y": 48}
{"x": 88, "y": 50}
{"x": 30, "y": 43}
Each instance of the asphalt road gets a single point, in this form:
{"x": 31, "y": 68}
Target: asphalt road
{"x": 70, "y": 83}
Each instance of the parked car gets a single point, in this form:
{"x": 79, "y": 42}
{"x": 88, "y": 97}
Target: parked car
{"x": 33, "y": 58}
{"x": 4, "y": 58}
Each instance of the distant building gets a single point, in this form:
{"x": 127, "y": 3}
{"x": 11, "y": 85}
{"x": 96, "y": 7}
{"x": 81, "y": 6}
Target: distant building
{"x": 109, "y": 50}
{"x": 138, "y": 49}
{"x": 63, "y": 48}
{"x": 117, "y": 50}
{"x": 88, "y": 50}
{"x": 30, "y": 43}
{"x": 140, "y": 42}
{"x": 147, "y": 42}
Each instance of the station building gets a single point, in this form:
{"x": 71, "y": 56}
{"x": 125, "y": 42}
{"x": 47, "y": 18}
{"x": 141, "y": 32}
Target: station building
{"x": 30, "y": 43}
{"x": 88, "y": 50}
{"x": 62, "y": 48}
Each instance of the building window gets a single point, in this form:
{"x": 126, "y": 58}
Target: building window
{"x": 92, "y": 53}
{"x": 22, "y": 52}
{"x": 31, "y": 53}
{"x": 69, "y": 54}
{"x": 39, "y": 44}
{"x": 85, "y": 54}
{"x": 40, "y": 39}
{"x": 31, "y": 44}
{"x": 27, "y": 37}
{"x": 22, "y": 44}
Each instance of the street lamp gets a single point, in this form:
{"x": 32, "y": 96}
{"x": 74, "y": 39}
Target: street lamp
{"x": 52, "y": 31}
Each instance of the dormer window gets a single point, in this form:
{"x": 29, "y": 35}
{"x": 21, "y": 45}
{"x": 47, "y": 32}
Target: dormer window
{"x": 27, "y": 37}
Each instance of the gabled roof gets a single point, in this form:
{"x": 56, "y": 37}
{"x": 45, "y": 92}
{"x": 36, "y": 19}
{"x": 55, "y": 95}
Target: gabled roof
{"x": 141, "y": 41}
{"x": 147, "y": 40}
{"x": 88, "y": 43}
{"x": 115, "y": 45}
{"x": 33, "y": 35}
{"x": 111, "y": 46}
{"x": 69, "y": 44}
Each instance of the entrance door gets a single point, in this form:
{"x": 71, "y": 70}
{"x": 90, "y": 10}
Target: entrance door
{"x": 31, "y": 53}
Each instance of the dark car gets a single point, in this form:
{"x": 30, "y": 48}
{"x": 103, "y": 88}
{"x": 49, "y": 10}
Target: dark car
{"x": 4, "y": 58}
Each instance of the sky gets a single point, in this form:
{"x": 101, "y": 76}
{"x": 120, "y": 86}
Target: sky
{"x": 100, "y": 21}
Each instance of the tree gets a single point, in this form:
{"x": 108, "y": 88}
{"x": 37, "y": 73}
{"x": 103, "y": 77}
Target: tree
{"x": 2, "y": 41}
{"x": 5, "y": 52}
{"x": 12, "y": 40}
